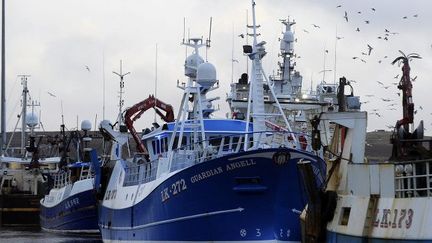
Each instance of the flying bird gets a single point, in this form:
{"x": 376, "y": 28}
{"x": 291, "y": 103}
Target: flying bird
{"x": 370, "y": 95}
{"x": 316, "y": 26}
{"x": 414, "y": 79}
{"x": 397, "y": 76}
{"x": 386, "y": 100}
{"x": 51, "y": 94}
{"x": 338, "y": 6}
{"x": 358, "y": 29}
{"x": 305, "y": 31}
{"x": 359, "y": 12}
{"x": 373, "y": 9}
{"x": 87, "y": 67}
{"x": 241, "y": 35}
{"x": 370, "y": 48}
{"x": 405, "y": 17}
{"x": 367, "y": 21}
{"x": 364, "y": 53}
{"x": 346, "y": 16}
{"x": 354, "y": 57}
{"x": 386, "y": 87}
{"x": 380, "y": 82}
{"x": 363, "y": 60}
{"x": 415, "y": 15}
{"x": 339, "y": 37}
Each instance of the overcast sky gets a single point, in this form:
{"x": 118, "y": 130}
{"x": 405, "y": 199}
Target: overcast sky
{"x": 54, "y": 41}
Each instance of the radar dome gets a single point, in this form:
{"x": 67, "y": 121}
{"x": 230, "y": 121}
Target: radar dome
{"x": 206, "y": 74}
{"x": 86, "y": 125}
{"x": 191, "y": 64}
{"x": 32, "y": 120}
{"x": 287, "y": 42}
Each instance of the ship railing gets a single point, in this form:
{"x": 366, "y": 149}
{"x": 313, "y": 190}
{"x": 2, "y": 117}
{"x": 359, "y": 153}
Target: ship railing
{"x": 62, "y": 179}
{"x": 140, "y": 171}
{"x": 219, "y": 146}
{"x": 413, "y": 178}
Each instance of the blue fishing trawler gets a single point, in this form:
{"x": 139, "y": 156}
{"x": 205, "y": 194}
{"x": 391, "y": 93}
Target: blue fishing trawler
{"x": 202, "y": 179}
{"x": 70, "y": 206}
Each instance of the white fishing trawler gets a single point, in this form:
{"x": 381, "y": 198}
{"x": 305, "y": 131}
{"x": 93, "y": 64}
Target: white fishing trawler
{"x": 376, "y": 202}
{"x": 298, "y": 105}
{"x": 21, "y": 179}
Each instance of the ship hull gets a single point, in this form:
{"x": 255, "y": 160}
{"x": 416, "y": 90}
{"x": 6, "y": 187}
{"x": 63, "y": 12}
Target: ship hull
{"x": 250, "y": 197}
{"x": 393, "y": 220}
{"x": 19, "y": 210}
{"x": 75, "y": 214}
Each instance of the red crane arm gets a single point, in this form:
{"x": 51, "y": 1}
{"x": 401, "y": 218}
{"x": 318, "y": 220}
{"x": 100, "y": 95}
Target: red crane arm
{"x": 407, "y": 103}
{"x": 133, "y": 113}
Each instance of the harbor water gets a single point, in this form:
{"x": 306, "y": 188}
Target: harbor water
{"x": 26, "y": 235}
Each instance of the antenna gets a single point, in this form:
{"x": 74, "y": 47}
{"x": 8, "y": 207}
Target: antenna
{"x": 62, "y": 114}
{"x": 209, "y": 37}
{"x": 324, "y": 64}
{"x": 335, "y": 57}
{"x": 3, "y": 83}
{"x": 103, "y": 84}
{"x": 156, "y": 76}
{"x": 121, "y": 101}
{"x": 232, "y": 54}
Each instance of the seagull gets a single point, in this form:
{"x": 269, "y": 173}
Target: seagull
{"x": 397, "y": 76}
{"x": 373, "y": 9}
{"x": 370, "y": 48}
{"x": 363, "y": 60}
{"x": 386, "y": 100}
{"x": 380, "y": 82}
{"x": 379, "y": 61}
{"x": 370, "y": 95}
{"x": 385, "y": 38}
{"x": 354, "y": 58}
{"x": 387, "y": 31}
{"x": 367, "y": 21}
{"x": 364, "y": 53}
{"x": 405, "y": 17}
{"x": 346, "y": 16}
{"x": 316, "y": 26}
{"x": 358, "y": 29}
{"x": 305, "y": 31}
{"x": 87, "y": 67}
{"x": 339, "y": 37}
{"x": 415, "y": 15}
{"x": 241, "y": 35}
{"x": 386, "y": 87}
{"x": 414, "y": 79}
{"x": 385, "y": 56}
{"x": 420, "y": 107}
{"x": 51, "y": 94}
{"x": 359, "y": 12}
{"x": 338, "y": 6}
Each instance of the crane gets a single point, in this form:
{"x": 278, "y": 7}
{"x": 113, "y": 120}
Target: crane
{"x": 133, "y": 113}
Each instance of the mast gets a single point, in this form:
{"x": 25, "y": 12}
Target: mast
{"x": 3, "y": 84}
{"x": 24, "y": 112}
{"x": 256, "y": 83}
{"x": 121, "y": 101}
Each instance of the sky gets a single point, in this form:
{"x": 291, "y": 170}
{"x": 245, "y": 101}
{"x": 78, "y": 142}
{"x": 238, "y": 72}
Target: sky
{"x": 54, "y": 41}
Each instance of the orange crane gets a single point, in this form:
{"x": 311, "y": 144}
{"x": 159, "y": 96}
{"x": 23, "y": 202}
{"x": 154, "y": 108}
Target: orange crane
{"x": 133, "y": 113}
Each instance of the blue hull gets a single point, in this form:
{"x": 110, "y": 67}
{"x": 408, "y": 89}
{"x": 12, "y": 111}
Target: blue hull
{"x": 333, "y": 237}
{"x": 77, "y": 213}
{"x": 242, "y": 197}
